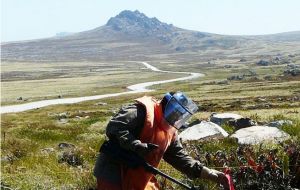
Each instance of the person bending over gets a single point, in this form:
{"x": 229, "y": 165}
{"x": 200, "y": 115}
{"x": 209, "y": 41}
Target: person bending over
{"x": 149, "y": 128}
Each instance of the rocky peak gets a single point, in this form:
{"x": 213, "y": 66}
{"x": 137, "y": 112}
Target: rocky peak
{"x": 134, "y": 21}
{"x": 132, "y": 15}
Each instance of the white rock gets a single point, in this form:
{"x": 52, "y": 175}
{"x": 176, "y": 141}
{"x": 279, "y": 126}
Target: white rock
{"x": 259, "y": 134}
{"x": 63, "y": 121}
{"x": 203, "y": 130}
{"x": 221, "y": 118}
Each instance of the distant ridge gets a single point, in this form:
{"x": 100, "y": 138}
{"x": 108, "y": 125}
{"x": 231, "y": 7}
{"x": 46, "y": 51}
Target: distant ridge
{"x": 131, "y": 35}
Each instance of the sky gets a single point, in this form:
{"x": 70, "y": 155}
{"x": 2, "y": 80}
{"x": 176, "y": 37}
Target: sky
{"x": 33, "y": 19}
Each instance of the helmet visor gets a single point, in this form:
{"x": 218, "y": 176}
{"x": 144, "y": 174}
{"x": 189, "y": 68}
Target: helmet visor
{"x": 179, "y": 109}
{"x": 186, "y": 102}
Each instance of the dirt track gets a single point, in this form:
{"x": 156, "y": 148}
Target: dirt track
{"x": 137, "y": 88}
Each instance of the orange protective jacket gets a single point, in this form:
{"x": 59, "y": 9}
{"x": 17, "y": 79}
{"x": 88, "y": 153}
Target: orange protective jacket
{"x": 157, "y": 131}
{"x": 113, "y": 176}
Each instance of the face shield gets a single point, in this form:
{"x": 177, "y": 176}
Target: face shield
{"x": 179, "y": 109}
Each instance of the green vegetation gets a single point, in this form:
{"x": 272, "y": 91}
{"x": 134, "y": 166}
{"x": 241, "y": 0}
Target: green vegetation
{"x": 30, "y": 152}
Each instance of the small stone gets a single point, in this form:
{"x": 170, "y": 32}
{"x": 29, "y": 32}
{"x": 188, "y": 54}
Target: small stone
{"x": 262, "y": 99}
{"x": 101, "y": 104}
{"x": 47, "y": 150}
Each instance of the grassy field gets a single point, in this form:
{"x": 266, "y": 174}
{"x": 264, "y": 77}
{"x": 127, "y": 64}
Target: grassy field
{"x": 32, "y": 159}
{"x": 53, "y": 80}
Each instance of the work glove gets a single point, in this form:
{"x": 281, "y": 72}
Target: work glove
{"x": 215, "y": 176}
{"x": 142, "y": 149}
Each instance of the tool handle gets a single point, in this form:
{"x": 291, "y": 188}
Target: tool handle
{"x": 155, "y": 171}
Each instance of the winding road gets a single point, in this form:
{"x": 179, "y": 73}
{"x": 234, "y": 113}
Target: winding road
{"x": 136, "y": 88}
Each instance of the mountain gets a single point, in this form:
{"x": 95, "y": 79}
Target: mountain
{"x": 131, "y": 35}
{"x": 61, "y": 34}
{"x": 138, "y": 24}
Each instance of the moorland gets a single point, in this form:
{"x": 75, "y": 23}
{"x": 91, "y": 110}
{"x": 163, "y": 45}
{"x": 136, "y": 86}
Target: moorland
{"x": 55, "y": 147}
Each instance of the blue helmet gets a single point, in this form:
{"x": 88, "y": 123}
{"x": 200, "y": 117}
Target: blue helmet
{"x": 179, "y": 108}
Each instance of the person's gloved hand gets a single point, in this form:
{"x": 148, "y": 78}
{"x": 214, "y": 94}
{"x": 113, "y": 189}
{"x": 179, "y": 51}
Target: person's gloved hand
{"x": 142, "y": 149}
{"x": 215, "y": 176}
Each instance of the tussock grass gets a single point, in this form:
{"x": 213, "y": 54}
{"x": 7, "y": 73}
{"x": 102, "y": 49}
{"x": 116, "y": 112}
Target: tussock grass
{"x": 293, "y": 130}
{"x": 44, "y": 172}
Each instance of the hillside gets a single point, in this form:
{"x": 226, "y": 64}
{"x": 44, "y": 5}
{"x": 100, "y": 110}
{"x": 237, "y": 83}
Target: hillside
{"x": 134, "y": 36}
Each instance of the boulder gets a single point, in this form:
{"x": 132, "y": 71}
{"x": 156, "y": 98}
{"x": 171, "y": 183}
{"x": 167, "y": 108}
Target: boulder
{"x": 62, "y": 121}
{"x": 65, "y": 145}
{"x": 8, "y": 158}
{"x": 72, "y": 158}
{"x": 292, "y": 66}
{"x": 291, "y": 55}
{"x": 292, "y": 72}
{"x": 263, "y": 63}
{"x": 280, "y": 123}
{"x": 261, "y": 99}
{"x": 228, "y": 66}
{"x": 242, "y": 123}
{"x": 180, "y": 48}
{"x": 203, "y": 130}
{"x": 223, "y": 82}
{"x": 236, "y": 77}
{"x": 221, "y": 118}
{"x": 63, "y": 115}
{"x": 259, "y": 134}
